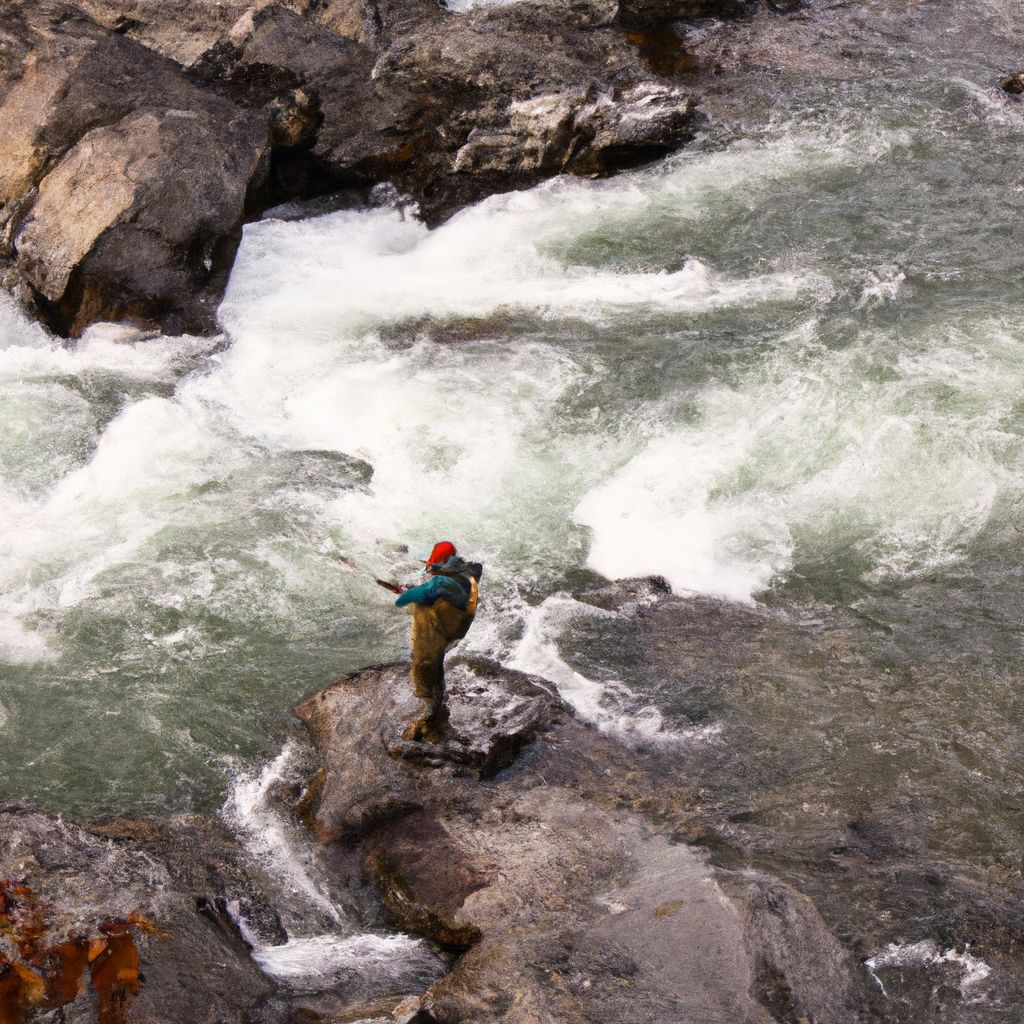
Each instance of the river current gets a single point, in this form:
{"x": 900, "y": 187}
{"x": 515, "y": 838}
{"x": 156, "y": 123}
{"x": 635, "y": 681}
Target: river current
{"x": 784, "y": 368}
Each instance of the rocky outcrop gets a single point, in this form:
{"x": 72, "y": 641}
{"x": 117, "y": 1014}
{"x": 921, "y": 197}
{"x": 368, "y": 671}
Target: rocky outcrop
{"x": 137, "y": 920}
{"x": 579, "y": 132}
{"x": 139, "y": 135}
{"x": 558, "y": 876}
{"x": 107, "y": 923}
{"x": 123, "y": 185}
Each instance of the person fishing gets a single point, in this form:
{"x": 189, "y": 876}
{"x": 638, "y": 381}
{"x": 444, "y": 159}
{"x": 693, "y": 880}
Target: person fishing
{"x": 443, "y": 609}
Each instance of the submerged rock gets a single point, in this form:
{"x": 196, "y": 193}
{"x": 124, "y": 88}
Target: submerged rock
{"x": 1013, "y": 84}
{"x": 557, "y": 875}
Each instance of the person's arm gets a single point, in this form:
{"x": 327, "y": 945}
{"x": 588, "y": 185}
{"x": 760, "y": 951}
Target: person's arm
{"x": 429, "y": 592}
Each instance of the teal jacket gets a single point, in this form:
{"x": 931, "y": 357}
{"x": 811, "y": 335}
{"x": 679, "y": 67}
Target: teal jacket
{"x": 455, "y": 588}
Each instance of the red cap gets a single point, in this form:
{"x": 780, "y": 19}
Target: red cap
{"x": 443, "y": 550}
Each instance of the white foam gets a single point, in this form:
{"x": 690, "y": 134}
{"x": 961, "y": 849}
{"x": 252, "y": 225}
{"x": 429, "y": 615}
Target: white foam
{"x": 471, "y": 439}
{"x": 926, "y": 954}
{"x": 27, "y": 352}
{"x": 272, "y": 841}
{"x": 319, "y": 961}
{"x": 881, "y": 286}
{"x": 817, "y": 450}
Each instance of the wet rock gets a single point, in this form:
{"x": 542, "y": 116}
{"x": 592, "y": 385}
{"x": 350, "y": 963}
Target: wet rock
{"x": 557, "y": 874}
{"x": 103, "y": 101}
{"x": 96, "y": 215}
{"x": 357, "y": 726}
{"x": 116, "y": 233}
{"x": 92, "y": 887}
{"x": 638, "y": 12}
{"x": 1013, "y": 84}
{"x": 580, "y": 132}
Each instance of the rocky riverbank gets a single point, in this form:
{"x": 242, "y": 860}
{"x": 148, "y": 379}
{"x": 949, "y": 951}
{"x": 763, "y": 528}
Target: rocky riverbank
{"x": 544, "y": 860}
{"x": 140, "y": 136}
{"x": 531, "y": 868}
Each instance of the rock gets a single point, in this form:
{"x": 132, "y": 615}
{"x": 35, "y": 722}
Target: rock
{"x": 169, "y": 921}
{"x": 96, "y": 214}
{"x": 641, "y": 12}
{"x": 302, "y": 99}
{"x": 363, "y": 127}
{"x": 585, "y": 135}
{"x": 116, "y": 232}
{"x": 644, "y": 122}
{"x": 357, "y": 726}
{"x": 557, "y": 874}
{"x": 182, "y": 30}
{"x": 94, "y": 887}
{"x": 295, "y": 118}
{"x": 1013, "y": 84}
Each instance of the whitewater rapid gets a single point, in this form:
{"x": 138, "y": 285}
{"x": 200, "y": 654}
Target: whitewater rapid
{"x": 626, "y": 377}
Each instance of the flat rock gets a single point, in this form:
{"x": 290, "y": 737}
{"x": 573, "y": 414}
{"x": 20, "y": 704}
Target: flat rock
{"x": 357, "y": 725}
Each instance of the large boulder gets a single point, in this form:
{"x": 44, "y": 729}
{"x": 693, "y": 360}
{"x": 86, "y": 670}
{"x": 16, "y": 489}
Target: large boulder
{"x": 123, "y": 184}
{"x": 141, "y": 220}
{"x": 557, "y": 877}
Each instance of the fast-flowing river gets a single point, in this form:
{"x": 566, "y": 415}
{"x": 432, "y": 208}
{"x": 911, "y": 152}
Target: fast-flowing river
{"x": 784, "y": 368}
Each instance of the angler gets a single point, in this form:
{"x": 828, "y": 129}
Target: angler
{"x": 443, "y": 609}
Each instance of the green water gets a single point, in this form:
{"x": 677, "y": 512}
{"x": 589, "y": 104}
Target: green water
{"x": 784, "y": 368}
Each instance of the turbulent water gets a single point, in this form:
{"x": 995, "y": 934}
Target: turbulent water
{"x": 784, "y": 368}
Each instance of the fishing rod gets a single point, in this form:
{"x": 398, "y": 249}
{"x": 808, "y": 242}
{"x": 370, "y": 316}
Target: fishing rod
{"x": 395, "y": 588}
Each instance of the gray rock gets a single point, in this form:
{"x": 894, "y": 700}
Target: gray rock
{"x": 116, "y": 232}
{"x": 102, "y": 102}
{"x": 579, "y": 132}
{"x": 96, "y": 213}
{"x": 557, "y": 876}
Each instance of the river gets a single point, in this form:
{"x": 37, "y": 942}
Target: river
{"x": 784, "y": 368}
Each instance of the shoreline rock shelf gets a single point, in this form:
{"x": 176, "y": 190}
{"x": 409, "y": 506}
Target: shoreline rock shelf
{"x": 558, "y": 876}
{"x": 541, "y": 857}
{"x": 140, "y": 136}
